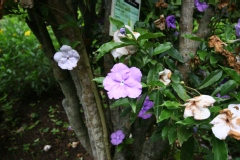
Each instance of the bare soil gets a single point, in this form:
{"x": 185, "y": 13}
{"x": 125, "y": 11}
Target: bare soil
{"x": 35, "y": 122}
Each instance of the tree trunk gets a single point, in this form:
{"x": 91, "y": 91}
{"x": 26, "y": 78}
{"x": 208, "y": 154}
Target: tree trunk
{"x": 70, "y": 103}
{"x": 86, "y": 88}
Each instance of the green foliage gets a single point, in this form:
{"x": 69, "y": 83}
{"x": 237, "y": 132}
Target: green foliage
{"x": 23, "y": 66}
{"x": 155, "y": 51}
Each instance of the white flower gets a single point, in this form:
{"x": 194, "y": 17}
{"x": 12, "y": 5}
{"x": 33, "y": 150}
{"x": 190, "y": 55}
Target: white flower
{"x": 118, "y": 52}
{"x": 47, "y": 147}
{"x": 227, "y": 123}
{"x": 67, "y": 58}
{"x": 197, "y": 107}
{"x": 165, "y": 76}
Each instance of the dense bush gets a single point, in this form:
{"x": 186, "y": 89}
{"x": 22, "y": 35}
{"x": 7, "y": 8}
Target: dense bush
{"x": 23, "y": 67}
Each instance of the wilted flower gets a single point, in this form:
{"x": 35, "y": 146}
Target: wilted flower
{"x": 227, "y": 123}
{"x": 201, "y": 6}
{"x": 118, "y": 52}
{"x": 171, "y": 22}
{"x": 117, "y": 137}
{"x": 74, "y": 144}
{"x": 146, "y": 106}
{"x": 123, "y": 82}
{"x": 160, "y": 23}
{"x": 47, "y": 147}
{"x": 161, "y": 4}
{"x": 67, "y": 58}
{"x": 165, "y": 76}
{"x": 237, "y": 28}
{"x": 197, "y": 107}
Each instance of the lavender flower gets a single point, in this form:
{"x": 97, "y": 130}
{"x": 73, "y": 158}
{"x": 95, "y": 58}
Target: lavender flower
{"x": 146, "y": 106}
{"x": 67, "y": 58}
{"x": 237, "y": 28}
{"x": 117, "y": 137}
{"x": 201, "y": 6}
{"x": 122, "y": 30}
{"x": 224, "y": 96}
{"x": 123, "y": 82}
{"x": 171, "y": 22}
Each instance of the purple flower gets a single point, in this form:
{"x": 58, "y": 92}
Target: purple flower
{"x": 146, "y": 106}
{"x": 176, "y": 33}
{"x": 201, "y": 6}
{"x": 123, "y": 82}
{"x": 117, "y": 137}
{"x": 122, "y": 30}
{"x": 70, "y": 128}
{"x": 171, "y": 22}
{"x": 67, "y": 58}
{"x": 237, "y": 28}
{"x": 224, "y": 96}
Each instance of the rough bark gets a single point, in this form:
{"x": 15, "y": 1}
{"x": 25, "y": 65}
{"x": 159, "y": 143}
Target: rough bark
{"x": 186, "y": 27}
{"x": 187, "y": 46}
{"x": 86, "y": 88}
{"x": 153, "y": 150}
{"x": 70, "y": 103}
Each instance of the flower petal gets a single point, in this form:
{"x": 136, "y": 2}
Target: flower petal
{"x": 65, "y": 48}
{"x": 136, "y": 74}
{"x": 220, "y": 128}
{"x": 58, "y": 56}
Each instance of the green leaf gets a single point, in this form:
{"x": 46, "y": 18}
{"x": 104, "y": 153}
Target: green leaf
{"x": 191, "y": 120}
{"x": 175, "y": 54}
{"x": 128, "y": 141}
{"x": 120, "y": 102}
{"x": 107, "y": 47}
{"x": 219, "y": 149}
{"x": 172, "y": 135}
{"x": 225, "y": 88}
{"x": 202, "y": 54}
{"x": 211, "y": 78}
{"x": 171, "y": 104}
{"x": 215, "y": 109}
{"x": 153, "y": 76}
{"x": 232, "y": 73}
{"x": 165, "y": 114}
{"x": 99, "y": 79}
{"x": 158, "y": 100}
{"x": 180, "y": 90}
{"x": 116, "y": 22}
{"x": 132, "y": 103}
{"x": 169, "y": 94}
{"x": 165, "y": 132}
{"x": 183, "y": 133}
{"x": 187, "y": 150}
{"x": 193, "y": 37}
{"x": 160, "y": 48}
{"x": 150, "y": 35}
{"x": 126, "y": 110}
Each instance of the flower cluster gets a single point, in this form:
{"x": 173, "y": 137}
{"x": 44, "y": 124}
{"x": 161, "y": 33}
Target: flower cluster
{"x": 117, "y": 137}
{"x": 201, "y": 6}
{"x": 227, "y": 123}
{"x": 146, "y": 106}
{"x": 197, "y": 107}
{"x": 123, "y": 82}
{"x": 67, "y": 58}
{"x": 118, "y": 52}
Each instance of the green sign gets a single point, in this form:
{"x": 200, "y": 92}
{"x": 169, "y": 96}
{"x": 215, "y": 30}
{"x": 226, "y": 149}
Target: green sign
{"x": 126, "y": 11}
